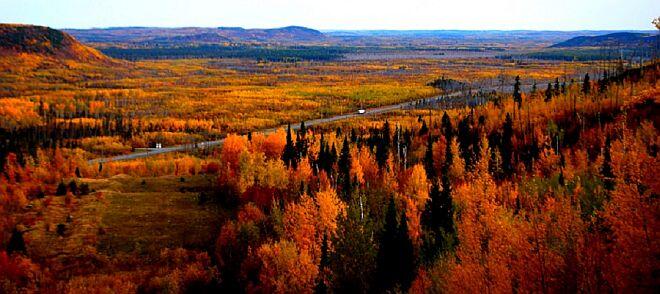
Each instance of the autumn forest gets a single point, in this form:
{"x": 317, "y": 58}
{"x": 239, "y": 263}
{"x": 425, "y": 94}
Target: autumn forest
{"x": 290, "y": 160}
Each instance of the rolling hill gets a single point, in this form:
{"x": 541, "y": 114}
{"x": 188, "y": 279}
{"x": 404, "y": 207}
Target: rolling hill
{"x": 146, "y": 35}
{"x": 29, "y": 40}
{"x": 201, "y": 38}
{"x": 624, "y": 39}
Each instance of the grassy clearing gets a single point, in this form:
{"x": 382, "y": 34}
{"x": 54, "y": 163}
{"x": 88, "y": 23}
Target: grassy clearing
{"x": 124, "y": 215}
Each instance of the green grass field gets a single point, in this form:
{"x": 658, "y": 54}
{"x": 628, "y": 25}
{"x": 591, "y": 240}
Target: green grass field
{"x": 124, "y": 215}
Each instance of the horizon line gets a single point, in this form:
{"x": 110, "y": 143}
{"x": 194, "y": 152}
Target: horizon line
{"x": 359, "y": 30}
{"x": 344, "y": 30}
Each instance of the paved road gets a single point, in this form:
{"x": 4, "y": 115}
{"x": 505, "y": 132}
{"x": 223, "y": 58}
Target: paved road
{"x": 186, "y": 147}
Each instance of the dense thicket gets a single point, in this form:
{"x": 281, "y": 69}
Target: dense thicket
{"x": 284, "y": 54}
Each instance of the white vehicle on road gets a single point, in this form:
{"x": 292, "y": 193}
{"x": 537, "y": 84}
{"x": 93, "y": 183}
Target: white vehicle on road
{"x": 361, "y": 111}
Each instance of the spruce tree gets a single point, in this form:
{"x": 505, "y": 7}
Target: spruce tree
{"x": 445, "y": 209}
{"x": 289, "y": 155}
{"x": 321, "y": 287}
{"x": 517, "y": 96}
{"x": 61, "y": 189}
{"x": 428, "y": 159}
{"x": 16, "y": 242}
{"x": 388, "y": 266}
{"x": 383, "y": 146}
{"x": 333, "y": 156}
{"x": 406, "y": 256}
{"x": 73, "y": 187}
{"x": 586, "y": 84}
{"x": 449, "y": 158}
{"x": 344, "y": 166}
{"x": 424, "y": 129}
{"x": 301, "y": 141}
{"x": 507, "y": 146}
{"x": 548, "y": 93}
{"x": 320, "y": 158}
{"x": 353, "y": 258}
{"x": 447, "y": 129}
{"x": 430, "y": 245}
{"x": 465, "y": 142}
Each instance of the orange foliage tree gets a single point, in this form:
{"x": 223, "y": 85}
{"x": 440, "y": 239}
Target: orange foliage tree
{"x": 286, "y": 269}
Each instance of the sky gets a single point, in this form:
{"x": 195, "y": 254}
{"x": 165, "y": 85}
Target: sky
{"x": 339, "y": 14}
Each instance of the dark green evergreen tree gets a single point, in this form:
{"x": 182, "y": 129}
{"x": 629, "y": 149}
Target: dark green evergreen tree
{"x": 289, "y": 155}
{"x": 586, "y": 84}
{"x": 448, "y": 131}
{"x": 383, "y": 146}
{"x": 517, "y": 96}
{"x": 344, "y": 168}
{"x": 301, "y": 141}
{"x": 61, "y": 189}
{"x": 396, "y": 260}
{"x": 507, "y": 146}
{"x": 353, "y": 258}
{"x": 321, "y": 286}
{"x": 429, "y": 164}
{"x": 388, "y": 262}
{"x": 447, "y": 128}
{"x": 332, "y": 156}
{"x": 548, "y": 93}
{"x": 73, "y": 187}
{"x": 444, "y": 216}
{"x": 466, "y": 142}
{"x": 424, "y": 129}
{"x": 16, "y": 242}
{"x": 406, "y": 256}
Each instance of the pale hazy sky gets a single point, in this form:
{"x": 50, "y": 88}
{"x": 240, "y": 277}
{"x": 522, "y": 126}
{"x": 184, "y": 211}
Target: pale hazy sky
{"x": 338, "y": 14}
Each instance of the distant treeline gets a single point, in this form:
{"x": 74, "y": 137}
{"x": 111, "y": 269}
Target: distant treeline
{"x": 476, "y": 49}
{"x": 447, "y": 84}
{"x": 284, "y": 54}
{"x": 583, "y": 54}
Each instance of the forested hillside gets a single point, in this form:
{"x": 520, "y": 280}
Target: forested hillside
{"x": 547, "y": 190}
{"x": 42, "y": 41}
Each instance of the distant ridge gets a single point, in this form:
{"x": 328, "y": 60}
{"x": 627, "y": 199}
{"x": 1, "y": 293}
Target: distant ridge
{"x": 296, "y": 32}
{"x": 289, "y": 34}
{"x": 47, "y": 42}
{"x": 196, "y": 38}
{"x": 623, "y": 39}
